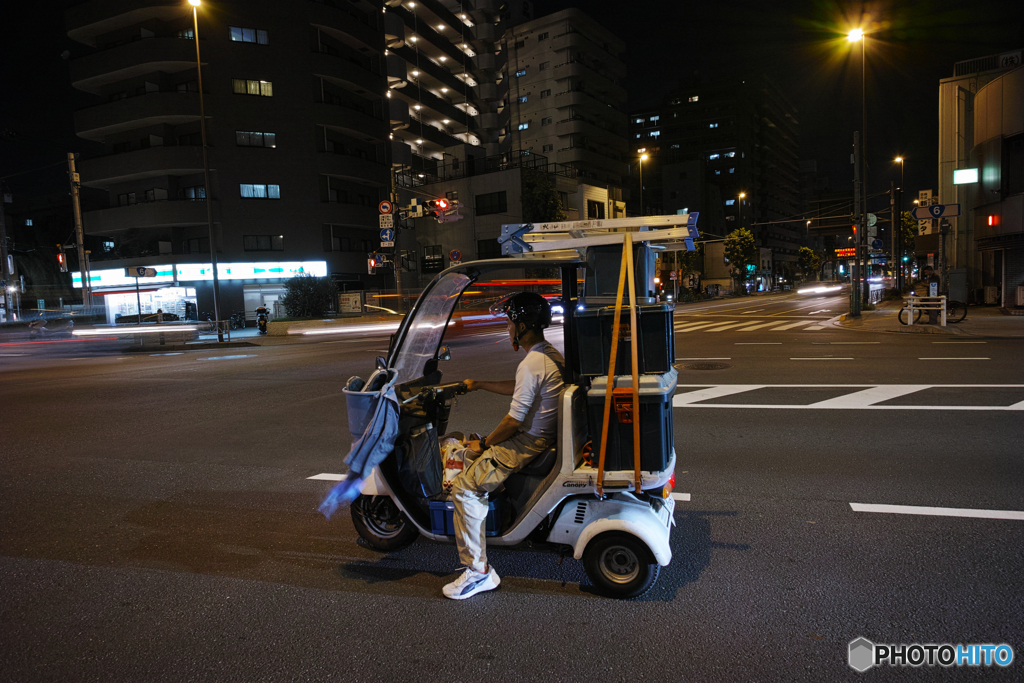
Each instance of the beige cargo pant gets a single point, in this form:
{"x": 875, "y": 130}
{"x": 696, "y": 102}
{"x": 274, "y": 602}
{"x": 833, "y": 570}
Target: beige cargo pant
{"x": 484, "y": 476}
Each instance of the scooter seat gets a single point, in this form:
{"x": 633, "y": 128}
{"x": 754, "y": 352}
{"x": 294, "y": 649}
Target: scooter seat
{"x": 542, "y": 464}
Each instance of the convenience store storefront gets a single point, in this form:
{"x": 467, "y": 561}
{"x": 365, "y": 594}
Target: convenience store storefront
{"x": 177, "y": 288}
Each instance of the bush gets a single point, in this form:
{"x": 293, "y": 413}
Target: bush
{"x": 308, "y": 296}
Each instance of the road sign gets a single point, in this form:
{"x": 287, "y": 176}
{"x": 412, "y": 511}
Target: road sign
{"x": 872, "y": 220}
{"x": 936, "y": 211}
{"x": 671, "y": 275}
{"x": 140, "y": 271}
{"x": 455, "y": 255}
{"x": 387, "y": 221}
{"x": 385, "y": 207}
{"x": 387, "y": 235}
{"x": 877, "y": 244}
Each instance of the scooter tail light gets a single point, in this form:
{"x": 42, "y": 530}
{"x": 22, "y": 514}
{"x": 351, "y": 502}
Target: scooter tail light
{"x": 667, "y": 491}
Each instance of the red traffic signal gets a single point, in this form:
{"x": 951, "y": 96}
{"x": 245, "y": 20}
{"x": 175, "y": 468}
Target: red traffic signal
{"x": 437, "y": 207}
{"x": 63, "y": 261}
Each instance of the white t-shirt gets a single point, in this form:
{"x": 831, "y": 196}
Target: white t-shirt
{"x": 538, "y": 385}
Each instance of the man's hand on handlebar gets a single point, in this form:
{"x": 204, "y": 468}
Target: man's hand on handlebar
{"x": 471, "y": 384}
{"x": 474, "y": 446}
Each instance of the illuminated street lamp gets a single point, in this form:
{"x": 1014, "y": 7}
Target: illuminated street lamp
{"x": 897, "y": 225}
{"x": 860, "y": 292}
{"x": 643, "y": 158}
{"x": 739, "y": 209}
{"x": 206, "y": 172}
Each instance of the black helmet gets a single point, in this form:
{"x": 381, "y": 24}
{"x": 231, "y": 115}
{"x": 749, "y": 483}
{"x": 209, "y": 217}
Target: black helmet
{"x": 524, "y": 307}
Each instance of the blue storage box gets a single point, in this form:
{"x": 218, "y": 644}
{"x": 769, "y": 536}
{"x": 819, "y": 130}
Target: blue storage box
{"x": 442, "y": 518}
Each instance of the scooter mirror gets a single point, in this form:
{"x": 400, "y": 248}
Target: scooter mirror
{"x": 444, "y": 353}
{"x": 382, "y": 363}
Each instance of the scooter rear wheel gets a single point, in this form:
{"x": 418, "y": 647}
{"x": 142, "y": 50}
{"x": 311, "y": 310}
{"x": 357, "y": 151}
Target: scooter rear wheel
{"x": 619, "y": 565}
{"x": 380, "y": 523}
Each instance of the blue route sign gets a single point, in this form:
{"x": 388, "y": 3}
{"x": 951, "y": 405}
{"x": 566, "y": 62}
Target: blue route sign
{"x": 923, "y": 213}
{"x": 387, "y": 235}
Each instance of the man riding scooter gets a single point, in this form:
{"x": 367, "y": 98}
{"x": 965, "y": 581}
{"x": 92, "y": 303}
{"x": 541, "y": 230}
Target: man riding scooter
{"x": 525, "y": 432}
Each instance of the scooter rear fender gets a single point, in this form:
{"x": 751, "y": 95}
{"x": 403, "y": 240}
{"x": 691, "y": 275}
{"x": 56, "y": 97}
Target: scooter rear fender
{"x": 583, "y": 521}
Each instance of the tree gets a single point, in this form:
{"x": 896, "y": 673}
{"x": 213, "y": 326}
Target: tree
{"x": 541, "y": 203}
{"x": 808, "y": 260}
{"x": 908, "y": 233}
{"x": 308, "y": 296}
{"x": 742, "y": 253}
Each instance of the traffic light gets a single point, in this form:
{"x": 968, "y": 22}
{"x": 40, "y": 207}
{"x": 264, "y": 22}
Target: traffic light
{"x": 436, "y": 207}
{"x": 906, "y": 258}
{"x": 62, "y": 259}
{"x": 371, "y": 265}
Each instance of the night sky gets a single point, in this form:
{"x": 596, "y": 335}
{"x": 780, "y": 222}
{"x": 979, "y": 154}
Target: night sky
{"x": 800, "y": 45}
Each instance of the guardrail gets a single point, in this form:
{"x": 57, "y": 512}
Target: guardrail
{"x": 926, "y": 303}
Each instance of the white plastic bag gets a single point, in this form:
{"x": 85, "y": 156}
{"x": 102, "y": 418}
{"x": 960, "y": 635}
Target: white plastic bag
{"x": 456, "y": 457}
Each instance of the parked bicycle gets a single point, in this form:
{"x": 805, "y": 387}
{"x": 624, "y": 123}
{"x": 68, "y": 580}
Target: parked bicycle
{"x": 955, "y": 312}
{"x": 237, "y": 320}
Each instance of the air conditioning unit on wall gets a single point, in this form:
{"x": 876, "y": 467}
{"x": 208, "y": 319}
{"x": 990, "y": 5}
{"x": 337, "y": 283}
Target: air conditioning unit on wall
{"x": 1020, "y": 295}
{"x": 991, "y": 295}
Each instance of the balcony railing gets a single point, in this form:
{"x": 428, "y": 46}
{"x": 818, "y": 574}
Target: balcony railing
{"x": 491, "y": 164}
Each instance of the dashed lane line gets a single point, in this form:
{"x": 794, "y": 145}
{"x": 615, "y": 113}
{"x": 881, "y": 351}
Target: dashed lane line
{"x": 938, "y": 512}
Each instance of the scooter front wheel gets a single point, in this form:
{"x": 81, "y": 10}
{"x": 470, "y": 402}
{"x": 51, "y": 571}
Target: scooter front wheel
{"x": 380, "y": 523}
{"x": 619, "y": 565}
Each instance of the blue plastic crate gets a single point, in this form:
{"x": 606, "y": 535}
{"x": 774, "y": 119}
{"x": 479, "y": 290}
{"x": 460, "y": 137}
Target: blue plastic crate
{"x": 442, "y": 518}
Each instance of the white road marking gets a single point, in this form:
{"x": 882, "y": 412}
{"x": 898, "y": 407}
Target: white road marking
{"x": 691, "y": 397}
{"x": 690, "y": 327}
{"x": 756, "y": 310}
{"x": 685, "y": 497}
{"x": 756, "y": 327}
{"x": 682, "y": 359}
{"x": 821, "y": 358}
{"x": 176, "y": 353}
{"x": 824, "y": 310}
{"x": 791, "y": 325}
{"x": 815, "y": 328}
{"x": 958, "y": 358}
{"x": 249, "y": 355}
{"x": 760, "y": 343}
{"x": 13, "y": 354}
{"x": 938, "y": 512}
{"x": 866, "y": 399}
{"x": 724, "y": 327}
{"x": 959, "y": 342}
{"x": 838, "y": 343}
{"x": 326, "y": 476}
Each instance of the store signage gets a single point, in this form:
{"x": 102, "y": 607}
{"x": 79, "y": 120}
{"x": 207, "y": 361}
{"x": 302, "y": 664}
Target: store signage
{"x": 846, "y": 253}
{"x": 189, "y": 272}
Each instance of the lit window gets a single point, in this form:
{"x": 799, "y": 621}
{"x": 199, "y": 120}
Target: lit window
{"x": 241, "y": 86}
{"x": 712, "y": 157}
{"x": 655, "y": 119}
{"x": 524, "y": 126}
{"x": 520, "y": 73}
{"x": 245, "y": 138}
{"x": 730, "y": 202}
{"x": 730, "y": 155}
{"x": 249, "y": 191}
{"x": 718, "y": 172}
{"x": 248, "y": 35}
{"x": 639, "y": 121}
{"x": 655, "y": 133}
{"x": 732, "y": 170}
{"x": 28, "y": 221}
{"x": 522, "y": 99}
{"x": 712, "y": 125}
{"x": 694, "y": 98}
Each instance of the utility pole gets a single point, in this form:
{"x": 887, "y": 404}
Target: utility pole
{"x": 83, "y": 267}
{"x": 397, "y": 258}
{"x": 5, "y": 273}
{"x": 894, "y": 261}
{"x": 858, "y": 226}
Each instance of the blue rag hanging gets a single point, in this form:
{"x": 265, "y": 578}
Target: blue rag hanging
{"x": 368, "y": 451}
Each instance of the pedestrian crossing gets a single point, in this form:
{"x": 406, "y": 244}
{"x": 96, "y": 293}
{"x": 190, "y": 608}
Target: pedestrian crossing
{"x": 750, "y": 325}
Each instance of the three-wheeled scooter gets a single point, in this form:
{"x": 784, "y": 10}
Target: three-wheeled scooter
{"x": 616, "y": 515}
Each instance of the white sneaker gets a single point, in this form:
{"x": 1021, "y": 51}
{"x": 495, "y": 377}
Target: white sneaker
{"x": 470, "y": 583}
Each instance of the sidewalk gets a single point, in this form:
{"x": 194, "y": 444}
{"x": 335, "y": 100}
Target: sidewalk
{"x": 981, "y": 322}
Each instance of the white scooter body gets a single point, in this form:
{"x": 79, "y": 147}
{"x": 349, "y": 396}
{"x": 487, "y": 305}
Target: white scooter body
{"x": 585, "y": 516}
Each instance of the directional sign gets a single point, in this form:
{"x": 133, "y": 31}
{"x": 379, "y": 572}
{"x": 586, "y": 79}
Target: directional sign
{"x": 387, "y": 221}
{"x": 140, "y": 271}
{"x": 877, "y": 244}
{"x": 385, "y": 207}
{"x": 455, "y": 255}
{"x": 387, "y": 235}
{"x": 936, "y": 211}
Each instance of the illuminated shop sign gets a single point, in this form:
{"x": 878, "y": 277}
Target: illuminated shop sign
{"x": 191, "y": 272}
{"x": 846, "y": 253}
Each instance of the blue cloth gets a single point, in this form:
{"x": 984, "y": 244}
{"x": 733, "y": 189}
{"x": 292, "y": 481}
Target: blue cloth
{"x": 376, "y": 443}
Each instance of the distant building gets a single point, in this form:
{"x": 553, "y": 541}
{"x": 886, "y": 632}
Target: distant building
{"x": 981, "y": 126}
{"x": 710, "y": 143}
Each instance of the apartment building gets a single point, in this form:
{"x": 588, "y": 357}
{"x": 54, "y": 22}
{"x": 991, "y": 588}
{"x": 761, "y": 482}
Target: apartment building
{"x": 298, "y": 142}
{"x": 729, "y": 150}
{"x": 981, "y": 135}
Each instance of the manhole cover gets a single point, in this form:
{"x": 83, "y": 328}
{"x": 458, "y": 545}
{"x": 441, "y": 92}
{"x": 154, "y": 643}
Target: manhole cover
{"x": 705, "y": 366}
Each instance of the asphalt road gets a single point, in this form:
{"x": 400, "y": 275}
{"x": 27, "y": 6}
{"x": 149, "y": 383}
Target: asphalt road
{"x": 159, "y": 522}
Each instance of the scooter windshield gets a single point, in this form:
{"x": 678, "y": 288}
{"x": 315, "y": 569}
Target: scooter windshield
{"x": 424, "y": 331}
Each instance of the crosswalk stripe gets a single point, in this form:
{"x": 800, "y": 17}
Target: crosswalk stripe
{"x": 690, "y": 327}
{"x": 791, "y": 325}
{"x": 757, "y": 327}
{"x": 723, "y": 327}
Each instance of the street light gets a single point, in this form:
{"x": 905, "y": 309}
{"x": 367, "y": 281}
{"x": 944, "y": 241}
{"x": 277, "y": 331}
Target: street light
{"x": 897, "y": 225}
{"x": 857, "y": 36}
{"x": 739, "y": 210}
{"x": 643, "y": 158}
{"x": 206, "y": 172}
